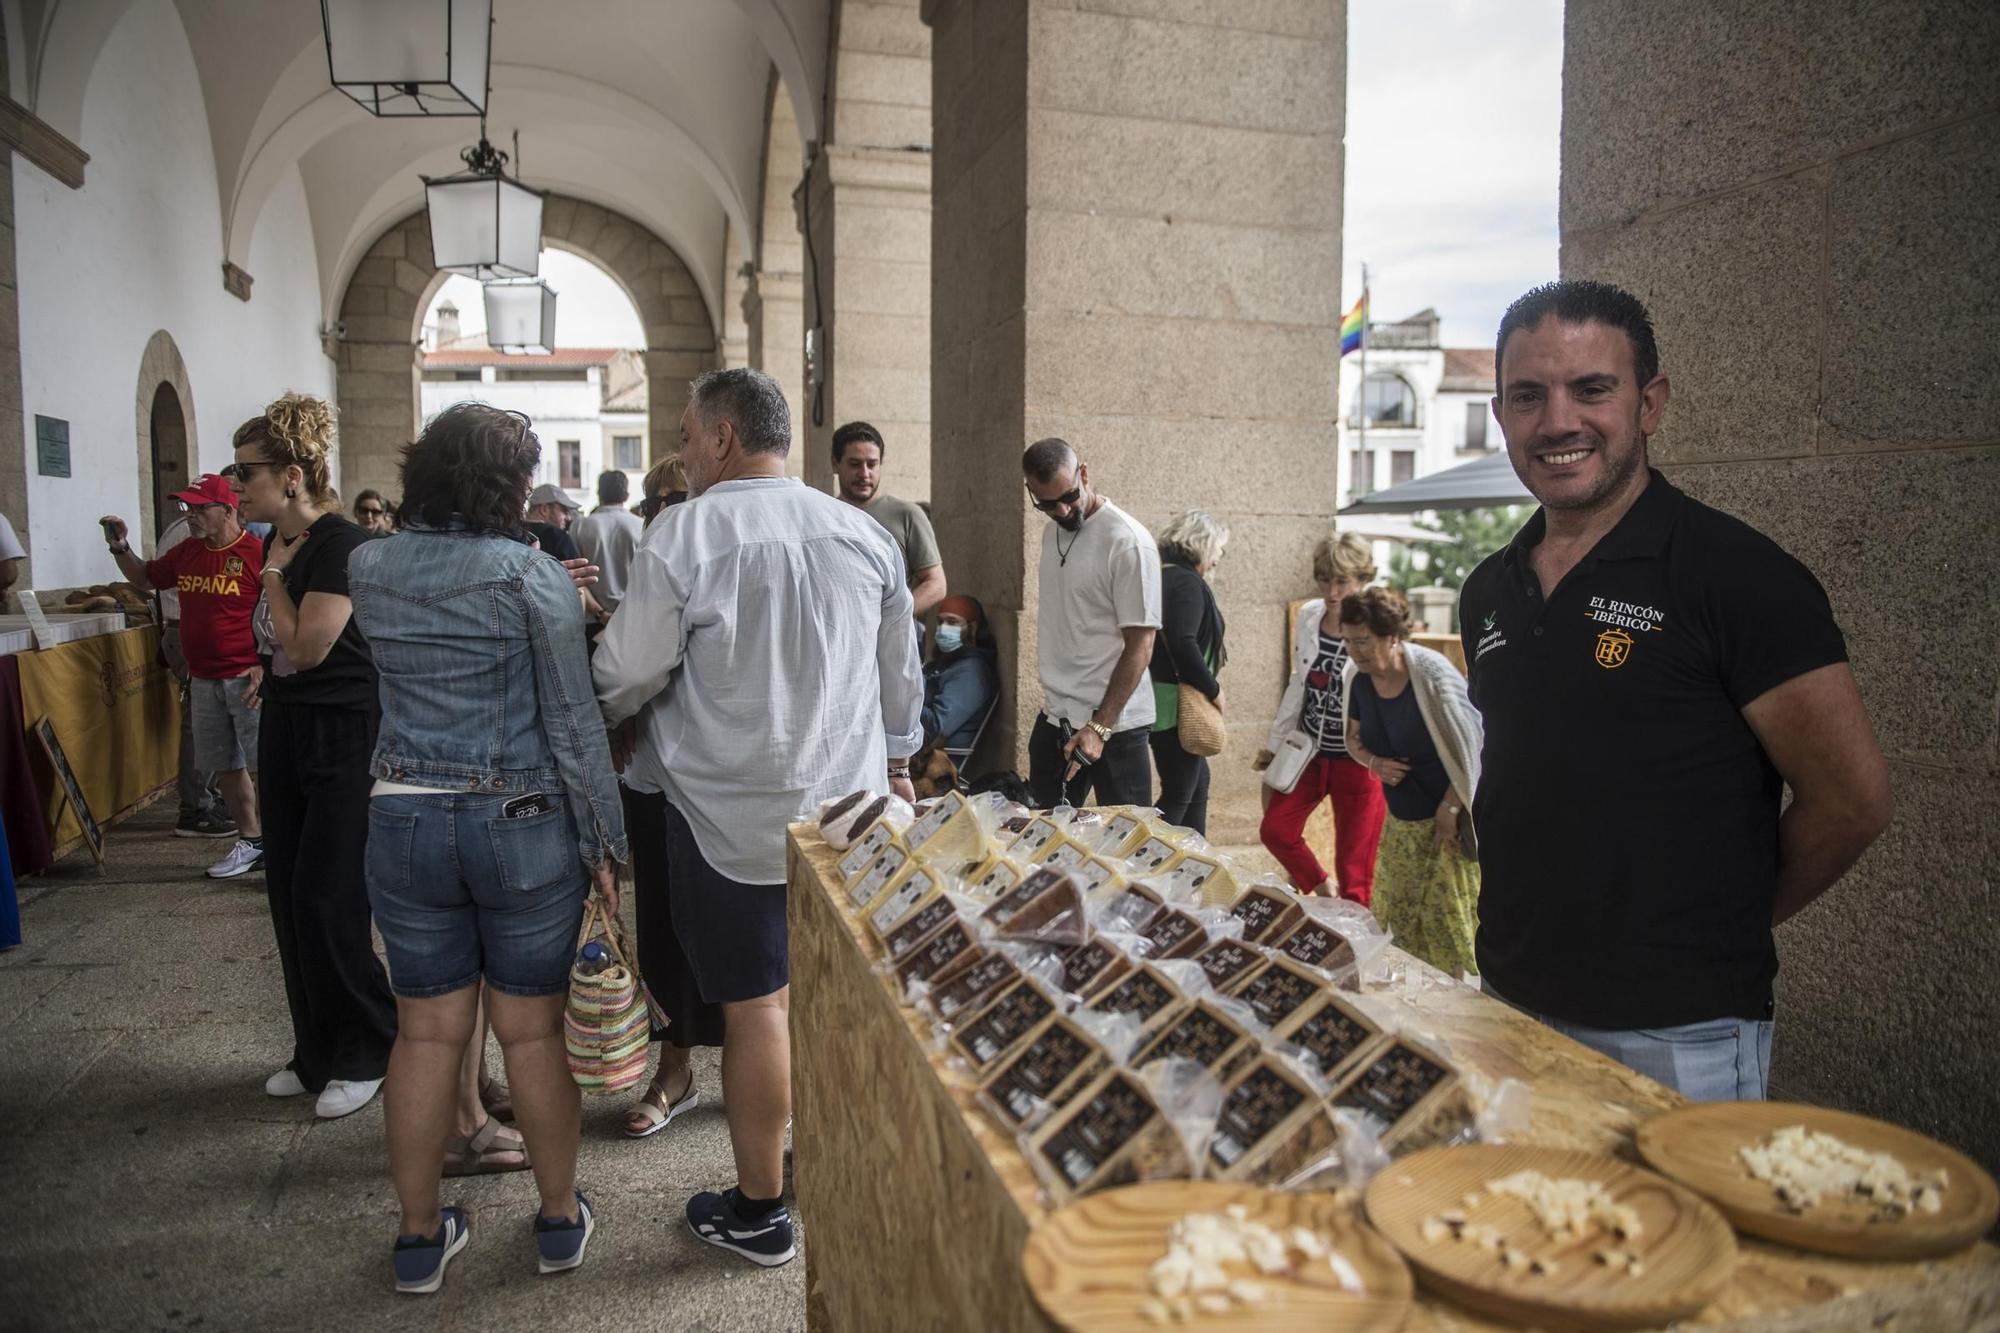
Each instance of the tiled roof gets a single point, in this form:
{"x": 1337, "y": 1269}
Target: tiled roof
{"x": 469, "y": 358}
{"x": 1468, "y": 368}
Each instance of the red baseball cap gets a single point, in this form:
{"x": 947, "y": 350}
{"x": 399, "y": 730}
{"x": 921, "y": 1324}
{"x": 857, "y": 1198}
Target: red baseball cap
{"x": 208, "y": 489}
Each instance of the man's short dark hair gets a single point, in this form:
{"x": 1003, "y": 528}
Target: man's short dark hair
{"x": 613, "y": 488}
{"x": 1044, "y": 460}
{"x": 749, "y": 400}
{"x": 857, "y": 430}
{"x": 1581, "y": 301}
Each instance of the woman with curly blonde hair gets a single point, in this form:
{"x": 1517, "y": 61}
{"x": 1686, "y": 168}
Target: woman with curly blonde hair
{"x": 317, "y": 732}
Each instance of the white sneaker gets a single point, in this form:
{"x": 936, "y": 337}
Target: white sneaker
{"x": 284, "y": 1083}
{"x": 345, "y": 1097}
{"x": 243, "y": 858}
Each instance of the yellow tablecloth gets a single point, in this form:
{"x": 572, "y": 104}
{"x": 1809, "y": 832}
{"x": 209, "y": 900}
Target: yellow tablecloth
{"x": 116, "y": 710}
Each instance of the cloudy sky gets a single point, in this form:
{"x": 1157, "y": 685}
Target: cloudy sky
{"x": 1454, "y": 110}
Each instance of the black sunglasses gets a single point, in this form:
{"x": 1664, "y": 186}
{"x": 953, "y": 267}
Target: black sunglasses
{"x": 370, "y": 511}
{"x": 1068, "y": 497}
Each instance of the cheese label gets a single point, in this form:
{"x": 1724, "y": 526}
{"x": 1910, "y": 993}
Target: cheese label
{"x": 1174, "y": 934}
{"x": 921, "y": 923}
{"x": 1277, "y": 991}
{"x": 1332, "y": 1035}
{"x": 1254, "y": 1106}
{"x": 1143, "y": 993}
{"x": 1225, "y": 961}
{"x": 913, "y": 891}
{"x": 1094, "y": 871}
{"x": 1192, "y": 872}
{"x": 879, "y": 874}
{"x": 1317, "y": 945}
{"x": 1061, "y": 855}
{"x": 1005, "y": 1021}
{"x": 973, "y": 985}
{"x": 934, "y": 819}
{"x": 1085, "y": 963}
{"x": 1042, "y": 1066}
{"x": 936, "y": 955}
{"x": 1118, "y": 831}
{"x": 1095, "y": 1130}
{"x": 1201, "y": 1035}
{"x": 1260, "y": 908}
{"x": 1152, "y": 854}
{"x": 995, "y": 882}
{"x": 1392, "y": 1084}
{"x": 856, "y": 858}
{"x": 1033, "y": 838}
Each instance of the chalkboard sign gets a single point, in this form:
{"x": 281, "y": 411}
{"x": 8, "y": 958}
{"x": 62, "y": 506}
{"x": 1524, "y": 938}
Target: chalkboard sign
{"x": 72, "y": 789}
{"x": 51, "y": 446}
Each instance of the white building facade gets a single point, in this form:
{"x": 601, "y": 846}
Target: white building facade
{"x": 588, "y": 406}
{"x": 1428, "y": 407}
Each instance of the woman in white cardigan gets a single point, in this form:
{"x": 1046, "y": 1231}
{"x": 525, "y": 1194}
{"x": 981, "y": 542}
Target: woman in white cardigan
{"x": 1410, "y": 720}
{"x": 1310, "y": 720}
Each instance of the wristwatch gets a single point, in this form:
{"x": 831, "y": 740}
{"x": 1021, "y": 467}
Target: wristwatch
{"x": 1103, "y": 732}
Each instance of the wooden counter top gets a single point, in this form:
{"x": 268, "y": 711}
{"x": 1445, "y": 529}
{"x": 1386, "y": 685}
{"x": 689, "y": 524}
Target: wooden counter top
{"x": 916, "y": 1205}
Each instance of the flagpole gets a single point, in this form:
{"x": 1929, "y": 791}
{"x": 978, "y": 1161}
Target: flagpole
{"x": 1361, "y": 391}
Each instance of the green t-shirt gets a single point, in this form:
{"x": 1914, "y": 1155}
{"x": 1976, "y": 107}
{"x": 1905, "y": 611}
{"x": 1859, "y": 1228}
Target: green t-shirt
{"x": 911, "y": 528}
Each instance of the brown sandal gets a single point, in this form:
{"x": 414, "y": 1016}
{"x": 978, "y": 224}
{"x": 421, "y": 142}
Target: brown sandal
{"x": 658, "y": 1112}
{"x": 480, "y": 1153}
{"x": 495, "y": 1097}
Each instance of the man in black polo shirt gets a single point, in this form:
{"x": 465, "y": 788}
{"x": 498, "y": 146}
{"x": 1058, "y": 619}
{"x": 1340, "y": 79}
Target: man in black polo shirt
{"x": 1651, "y": 674}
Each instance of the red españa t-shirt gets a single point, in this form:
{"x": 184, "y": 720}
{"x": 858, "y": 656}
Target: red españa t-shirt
{"x": 218, "y": 592}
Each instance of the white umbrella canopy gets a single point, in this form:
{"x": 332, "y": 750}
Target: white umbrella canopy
{"x": 1385, "y": 527}
{"x": 1476, "y": 485}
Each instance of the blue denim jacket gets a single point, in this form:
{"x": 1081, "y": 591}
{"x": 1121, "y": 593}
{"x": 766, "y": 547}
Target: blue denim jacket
{"x": 485, "y": 679}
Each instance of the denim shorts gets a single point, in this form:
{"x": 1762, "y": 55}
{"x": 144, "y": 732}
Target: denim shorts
{"x": 225, "y": 728}
{"x": 459, "y": 892}
{"x": 1720, "y": 1060}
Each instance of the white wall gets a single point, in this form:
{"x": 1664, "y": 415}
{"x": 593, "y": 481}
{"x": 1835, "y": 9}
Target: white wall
{"x": 139, "y": 248}
{"x": 560, "y": 410}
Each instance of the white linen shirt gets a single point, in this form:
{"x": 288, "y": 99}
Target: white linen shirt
{"x": 764, "y": 641}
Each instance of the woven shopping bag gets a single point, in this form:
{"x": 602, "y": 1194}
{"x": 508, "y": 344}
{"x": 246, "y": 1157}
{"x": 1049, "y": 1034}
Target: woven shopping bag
{"x": 606, "y": 1023}
{"x": 1201, "y": 728}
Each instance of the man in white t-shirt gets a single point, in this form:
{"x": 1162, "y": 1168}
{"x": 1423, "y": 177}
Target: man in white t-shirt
{"x": 1100, "y": 607}
{"x": 608, "y": 536}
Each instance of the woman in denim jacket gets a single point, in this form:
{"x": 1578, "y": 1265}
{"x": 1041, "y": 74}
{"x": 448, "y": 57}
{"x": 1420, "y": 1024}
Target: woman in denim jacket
{"x": 494, "y": 810}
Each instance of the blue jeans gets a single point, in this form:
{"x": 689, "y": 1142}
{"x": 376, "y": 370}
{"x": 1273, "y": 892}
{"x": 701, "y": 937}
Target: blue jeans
{"x": 461, "y": 891}
{"x": 1721, "y": 1060}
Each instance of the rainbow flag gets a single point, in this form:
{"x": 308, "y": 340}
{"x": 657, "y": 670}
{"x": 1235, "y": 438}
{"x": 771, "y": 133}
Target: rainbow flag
{"x": 1352, "y": 324}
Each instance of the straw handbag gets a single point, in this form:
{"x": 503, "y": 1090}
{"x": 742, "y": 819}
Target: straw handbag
{"x": 606, "y": 1024}
{"x": 1201, "y": 728}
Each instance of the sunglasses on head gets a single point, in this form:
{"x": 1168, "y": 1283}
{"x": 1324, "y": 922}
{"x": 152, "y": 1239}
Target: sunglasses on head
{"x": 1068, "y": 497}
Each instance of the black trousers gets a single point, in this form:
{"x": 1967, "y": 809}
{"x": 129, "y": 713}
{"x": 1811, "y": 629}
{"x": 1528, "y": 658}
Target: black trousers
{"x": 312, "y": 784}
{"x": 680, "y": 1016}
{"x": 1183, "y": 782}
{"x": 1123, "y": 775}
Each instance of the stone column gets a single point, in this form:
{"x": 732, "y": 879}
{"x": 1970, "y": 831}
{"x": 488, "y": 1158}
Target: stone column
{"x": 1136, "y": 246}
{"x": 867, "y": 197}
{"x": 1808, "y": 198}
{"x": 869, "y": 210}
{"x": 774, "y": 309}
{"x": 735, "y": 288}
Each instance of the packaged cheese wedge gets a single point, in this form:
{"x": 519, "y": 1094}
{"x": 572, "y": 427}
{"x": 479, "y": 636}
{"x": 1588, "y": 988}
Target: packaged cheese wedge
{"x": 1408, "y": 1093}
{"x": 959, "y": 828}
{"x": 1126, "y": 1126}
{"x": 1206, "y": 874}
{"x": 844, "y": 820}
{"x": 1219, "y": 1035}
{"x": 989, "y": 881}
{"x": 1333, "y": 1031}
{"x": 861, "y": 853}
{"x": 1125, "y": 827}
{"x": 908, "y": 890}
{"x": 1267, "y": 911}
{"x": 1056, "y": 1060}
{"x": 1274, "y": 1123}
{"x": 1149, "y": 993}
{"x": 891, "y": 860}
{"x": 1005, "y": 1018}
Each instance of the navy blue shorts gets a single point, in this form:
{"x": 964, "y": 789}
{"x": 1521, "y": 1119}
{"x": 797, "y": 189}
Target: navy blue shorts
{"x": 460, "y": 892}
{"x": 734, "y": 934}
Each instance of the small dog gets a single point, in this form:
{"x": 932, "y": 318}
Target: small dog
{"x": 932, "y": 773}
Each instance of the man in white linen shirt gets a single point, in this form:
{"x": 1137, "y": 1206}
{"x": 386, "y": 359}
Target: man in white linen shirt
{"x": 1099, "y": 611}
{"x": 764, "y": 646}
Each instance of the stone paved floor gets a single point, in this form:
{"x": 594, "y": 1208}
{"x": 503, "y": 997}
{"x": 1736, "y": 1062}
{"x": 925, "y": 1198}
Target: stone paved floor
{"x": 146, "y": 1181}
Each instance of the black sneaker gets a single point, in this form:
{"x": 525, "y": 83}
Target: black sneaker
{"x": 713, "y": 1218}
{"x": 204, "y": 826}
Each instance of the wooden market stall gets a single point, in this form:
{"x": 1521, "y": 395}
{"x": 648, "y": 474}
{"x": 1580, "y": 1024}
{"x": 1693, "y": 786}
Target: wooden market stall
{"x": 916, "y": 1207}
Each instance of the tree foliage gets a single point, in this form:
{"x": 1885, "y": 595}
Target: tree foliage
{"x": 1465, "y": 537}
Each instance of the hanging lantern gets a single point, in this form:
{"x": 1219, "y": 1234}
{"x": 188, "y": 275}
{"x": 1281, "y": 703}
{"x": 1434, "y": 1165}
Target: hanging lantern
{"x": 484, "y": 223}
{"x": 520, "y": 316}
{"x": 410, "y": 57}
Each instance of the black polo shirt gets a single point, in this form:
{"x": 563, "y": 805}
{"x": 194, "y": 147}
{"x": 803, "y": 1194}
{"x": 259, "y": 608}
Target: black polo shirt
{"x": 1627, "y": 815}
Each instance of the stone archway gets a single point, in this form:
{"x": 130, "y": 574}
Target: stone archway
{"x": 166, "y": 431}
{"x": 383, "y": 309}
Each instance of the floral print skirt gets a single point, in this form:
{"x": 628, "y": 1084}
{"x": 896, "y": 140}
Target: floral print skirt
{"x": 1426, "y": 896}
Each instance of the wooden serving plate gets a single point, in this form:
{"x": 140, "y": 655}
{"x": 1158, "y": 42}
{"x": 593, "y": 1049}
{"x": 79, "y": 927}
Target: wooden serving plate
{"x": 1687, "y": 1249}
{"x": 1698, "y": 1146}
{"x": 1089, "y": 1264}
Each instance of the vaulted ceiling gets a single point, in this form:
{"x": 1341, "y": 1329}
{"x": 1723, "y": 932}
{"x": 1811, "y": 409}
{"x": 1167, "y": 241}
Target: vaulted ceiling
{"x": 654, "y": 108}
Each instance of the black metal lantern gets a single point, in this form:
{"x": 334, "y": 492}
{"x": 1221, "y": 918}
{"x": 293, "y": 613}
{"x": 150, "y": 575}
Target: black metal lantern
{"x": 520, "y": 316}
{"x": 410, "y": 57}
{"x": 484, "y": 223}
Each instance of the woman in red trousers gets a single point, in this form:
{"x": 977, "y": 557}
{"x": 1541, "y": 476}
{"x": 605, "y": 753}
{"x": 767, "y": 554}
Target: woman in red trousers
{"x": 1311, "y": 711}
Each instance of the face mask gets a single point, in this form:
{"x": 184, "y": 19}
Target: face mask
{"x": 950, "y": 638}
